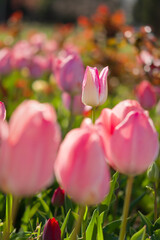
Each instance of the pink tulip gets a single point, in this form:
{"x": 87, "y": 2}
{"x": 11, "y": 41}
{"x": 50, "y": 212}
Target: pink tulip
{"x": 80, "y": 166}
{"x": 146, "y": 94}
{"x": 94, "y": 88}
{"x": 69, "y": 73}
{"x": 5, "y": 61}
{"x": 22, "y": 54}
{"x": 86, "y": 122}
{"x": 52, "y": 230}
{"x": 58, "y": 197}
{"x": 28, "y": 154}
{"x": 50, "y": 46}
{"x": 2, "y": 111}
{"x": 38, "y": 40}
{"x": 78, "y": 106}
{"x": 38, "y": 65}
{"x": 129, "y": 136}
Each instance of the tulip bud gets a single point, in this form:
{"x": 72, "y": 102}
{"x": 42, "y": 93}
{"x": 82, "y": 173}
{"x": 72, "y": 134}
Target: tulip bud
{"x": 2, "y": 111}
{"x": 52, "y": 230}
{"x": 146, "y": 94}
{"x": 94, "y": 87}
{"x": 153, "y": 172}
{"x": 58, "y": 197}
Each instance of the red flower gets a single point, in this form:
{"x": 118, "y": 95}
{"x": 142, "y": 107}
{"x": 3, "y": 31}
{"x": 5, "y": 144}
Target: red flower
{"x": 58, "y": 197}
{"x": 52, "y": 230}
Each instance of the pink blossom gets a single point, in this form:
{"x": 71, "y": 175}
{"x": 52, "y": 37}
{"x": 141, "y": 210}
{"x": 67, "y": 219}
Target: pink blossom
{"x": 81, "y": 168}
{"x": 38, "y": 65}
{"x": 28, "y": 153}
{"x": 94, "y": 88}
{"x": 146, "y": 94}
{"x": 22, "y": 54}
{"x": 130, "y": 138}
{"x": 38, "y": 40}
{"x": 69, "y": 72}
{"x": 5, "y": 61}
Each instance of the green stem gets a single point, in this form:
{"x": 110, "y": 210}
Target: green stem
{"x": 155, "y": 202}
{"x": 78, "y": 223}
{"x": 8, "y": 227}
{"x": 62, "y": 211}
{"x": 93, "y": 115}
{"x": 126, "y": 207}
{"x": 16, "y": 201}
{"x": 55, "y": 211}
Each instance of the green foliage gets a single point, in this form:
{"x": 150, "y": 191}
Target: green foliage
{"x": 140, "y": 235}
{"x": 105, "y": 205}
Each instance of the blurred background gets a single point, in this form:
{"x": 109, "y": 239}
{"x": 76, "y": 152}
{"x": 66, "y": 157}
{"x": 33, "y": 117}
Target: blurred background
{"x": 137, "y": 12}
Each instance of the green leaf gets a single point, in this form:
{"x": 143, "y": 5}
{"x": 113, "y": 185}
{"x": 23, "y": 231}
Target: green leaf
{"x": 92, "y": 227}
{"x": 157, "y": 224}
{"x": 134, "y": 203}
{"x": 146, "y": 222}
{"x": 75, "y": 215}
{"x": 45, "y": 207}
{"x": 85, "y": 214}
{"x": 39, "y": 231}
{"x": 105, "y": 205}
{"x": 110, "y": 236}
{"x": 65, "y": 224}
{"x": 140, "y": 235}
{"x": 25, "y": 218}
{"x": 100, "y": 230}
{"x": 156, "y": 235}
{"x": 68, "y": 204}
{"x": 112, "y": 226}
{"x": 20, "y": 236}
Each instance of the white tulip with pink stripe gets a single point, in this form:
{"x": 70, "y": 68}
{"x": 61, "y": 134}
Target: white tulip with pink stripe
{"x": 94, "y": 87}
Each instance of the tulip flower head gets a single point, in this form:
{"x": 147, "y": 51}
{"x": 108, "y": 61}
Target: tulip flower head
{"x": 37, "y": 66}
{"x": 146, "y": 94}
{"x": 80, "y": 166}
{"x": 52, "y": 230}
{"x": 94, "y": 87}
{"x": 5, "y": 61}
{"x": 69, "y": 73}
{"x": 58, "y": 197}
{"x": 130, "y": 138}
{"x": 28, "y": 153}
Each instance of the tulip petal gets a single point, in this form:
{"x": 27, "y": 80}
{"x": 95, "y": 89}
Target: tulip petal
{"x": 90, "y": 87}
{"x": 103, "y": 85}
{"x": 2, "y": 111}
{"x": 126, "y": 106}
